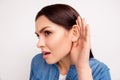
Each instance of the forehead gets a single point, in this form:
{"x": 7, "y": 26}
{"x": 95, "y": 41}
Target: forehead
{"x": 43, "y": 21}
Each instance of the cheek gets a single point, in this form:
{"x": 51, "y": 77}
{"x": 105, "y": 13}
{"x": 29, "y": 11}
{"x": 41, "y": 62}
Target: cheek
{"x": 59, "y": 44}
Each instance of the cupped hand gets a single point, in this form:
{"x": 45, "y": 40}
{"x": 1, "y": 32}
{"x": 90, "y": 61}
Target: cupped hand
{"x": 80, "y": 50}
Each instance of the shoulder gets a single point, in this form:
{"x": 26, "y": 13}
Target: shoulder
{"x": 38, "y": 60}
{"x": 94, "y": 63}
{"x": 39, "y": 64}
{"x": 99, "y": 69}
{"x": 39, "y": 68}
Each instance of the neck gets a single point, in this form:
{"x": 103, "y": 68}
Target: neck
{"x": 64, "y": 65}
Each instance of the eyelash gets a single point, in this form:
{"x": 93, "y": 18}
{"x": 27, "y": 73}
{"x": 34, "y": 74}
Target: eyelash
{"x": 37, "y": 35}
{"x": 47, "y": 33}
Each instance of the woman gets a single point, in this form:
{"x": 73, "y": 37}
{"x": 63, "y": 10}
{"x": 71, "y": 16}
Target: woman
{"x": 64, "y": 38}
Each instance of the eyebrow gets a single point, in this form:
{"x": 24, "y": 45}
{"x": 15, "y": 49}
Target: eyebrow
{"x": 42, "y": 29}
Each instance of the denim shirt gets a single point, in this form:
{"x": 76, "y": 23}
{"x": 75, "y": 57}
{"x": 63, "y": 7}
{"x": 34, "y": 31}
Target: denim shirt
{"x": 40, "y": 70}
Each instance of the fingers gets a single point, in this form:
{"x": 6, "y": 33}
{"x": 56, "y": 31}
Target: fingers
{"x": 83, "y": 28}
{"x": 87, "y": 33}
{"x": 78, "y": 21}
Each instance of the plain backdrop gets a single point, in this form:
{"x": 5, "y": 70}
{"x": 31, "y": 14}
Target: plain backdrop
{"x": 18, "y": 41}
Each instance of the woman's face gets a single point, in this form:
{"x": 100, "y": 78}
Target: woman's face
{"x": 54, "y": 40}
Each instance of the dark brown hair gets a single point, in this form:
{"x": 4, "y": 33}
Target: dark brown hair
{"x": 60, "y": 14}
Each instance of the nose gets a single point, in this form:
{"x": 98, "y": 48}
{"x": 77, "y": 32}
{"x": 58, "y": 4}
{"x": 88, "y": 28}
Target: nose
{"x": 40, "y": 43}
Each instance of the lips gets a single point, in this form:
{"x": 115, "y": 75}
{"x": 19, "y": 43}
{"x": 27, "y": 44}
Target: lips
{"x": 45, "y": 54}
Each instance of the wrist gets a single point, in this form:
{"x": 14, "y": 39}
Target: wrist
{"x": 84, "y": 73}
{"x": 82, "y": 65}
{"x": 83, "y": 68}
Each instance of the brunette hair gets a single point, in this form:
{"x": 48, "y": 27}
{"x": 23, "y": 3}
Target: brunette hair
{"x": 61, "y": 14}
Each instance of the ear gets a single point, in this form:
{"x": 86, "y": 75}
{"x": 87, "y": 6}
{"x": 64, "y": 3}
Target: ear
{"x": 75, "y": 33}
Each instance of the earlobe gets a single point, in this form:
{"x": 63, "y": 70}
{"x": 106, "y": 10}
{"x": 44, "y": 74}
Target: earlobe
{"x": 75, "y": 33}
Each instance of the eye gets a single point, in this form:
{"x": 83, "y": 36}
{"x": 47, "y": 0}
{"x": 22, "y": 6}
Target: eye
{"x": 47, "y": 33}
{"x": 37, "y": 35}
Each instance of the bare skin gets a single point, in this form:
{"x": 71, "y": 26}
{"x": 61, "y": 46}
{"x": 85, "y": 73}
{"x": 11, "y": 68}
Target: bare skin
{"x": 79, "y": 54}
{"x": 75, "y": 52}
{"x": 80, "y": 51}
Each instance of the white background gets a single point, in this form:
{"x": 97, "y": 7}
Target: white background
{"x": 18, "y": 41}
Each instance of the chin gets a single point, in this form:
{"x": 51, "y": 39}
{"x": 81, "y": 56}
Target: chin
{"x": 50, "y": 62}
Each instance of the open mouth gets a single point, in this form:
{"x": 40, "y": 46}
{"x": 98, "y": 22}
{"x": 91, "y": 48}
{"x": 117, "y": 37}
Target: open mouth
{"x": 45, "y": 54}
